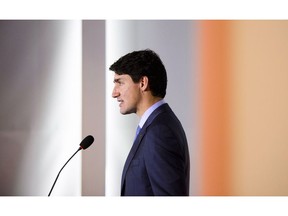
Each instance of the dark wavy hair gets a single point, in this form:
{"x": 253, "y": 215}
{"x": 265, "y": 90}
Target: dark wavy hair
{"x": 143, "y": 63}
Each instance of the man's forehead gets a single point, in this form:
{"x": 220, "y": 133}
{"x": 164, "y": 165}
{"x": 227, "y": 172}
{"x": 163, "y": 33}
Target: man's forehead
{"x": 122, "y": 76}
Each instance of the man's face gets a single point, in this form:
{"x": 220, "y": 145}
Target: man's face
{"x": 127, "y": 93}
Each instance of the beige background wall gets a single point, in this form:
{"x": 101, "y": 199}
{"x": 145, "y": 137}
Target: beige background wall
{"x": 259, "y": 106}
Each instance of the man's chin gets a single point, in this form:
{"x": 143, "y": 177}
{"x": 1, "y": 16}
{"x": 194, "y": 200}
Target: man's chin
{"x": 125, "y": 112}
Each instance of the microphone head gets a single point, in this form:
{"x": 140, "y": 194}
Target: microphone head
{"x": 86, "y": 142}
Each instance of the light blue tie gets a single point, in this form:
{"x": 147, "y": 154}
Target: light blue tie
{"x": 137, "y": 132}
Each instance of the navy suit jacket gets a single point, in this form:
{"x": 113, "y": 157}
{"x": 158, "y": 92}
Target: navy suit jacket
{"x": 158, "y": 162}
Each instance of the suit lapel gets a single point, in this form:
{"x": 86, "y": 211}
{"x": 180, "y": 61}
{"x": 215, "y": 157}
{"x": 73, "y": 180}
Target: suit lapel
{"x": 139, "y": 138}
{"x": 131, "y": 154}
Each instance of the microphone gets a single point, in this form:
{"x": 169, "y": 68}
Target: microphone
{"x": 86, "y": 142}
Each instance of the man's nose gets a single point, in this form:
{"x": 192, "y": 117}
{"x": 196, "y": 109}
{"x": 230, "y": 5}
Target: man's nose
{"x": 115, "y": 93}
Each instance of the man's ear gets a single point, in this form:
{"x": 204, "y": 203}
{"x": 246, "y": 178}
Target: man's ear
{"x": 144, "y": 83}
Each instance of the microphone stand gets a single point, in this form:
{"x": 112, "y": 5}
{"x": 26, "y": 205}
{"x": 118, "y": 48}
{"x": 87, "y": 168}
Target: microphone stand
{"x": 62, "y": 169}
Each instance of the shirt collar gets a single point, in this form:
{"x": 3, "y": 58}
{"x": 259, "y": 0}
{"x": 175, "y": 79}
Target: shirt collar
{"x": 148, "y": 112}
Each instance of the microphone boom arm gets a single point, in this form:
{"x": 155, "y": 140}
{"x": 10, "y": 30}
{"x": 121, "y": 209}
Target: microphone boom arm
{"x": 62, "y": 169}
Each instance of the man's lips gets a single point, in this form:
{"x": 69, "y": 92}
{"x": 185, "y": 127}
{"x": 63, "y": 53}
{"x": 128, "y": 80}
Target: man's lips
{"x": 120, "y": 102}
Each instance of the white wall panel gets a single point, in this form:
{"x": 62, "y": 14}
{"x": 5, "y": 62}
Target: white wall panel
{"x": 40, "y": 97}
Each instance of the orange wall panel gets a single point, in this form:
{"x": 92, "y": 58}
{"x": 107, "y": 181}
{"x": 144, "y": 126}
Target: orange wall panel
{"x": 214, "y": 95}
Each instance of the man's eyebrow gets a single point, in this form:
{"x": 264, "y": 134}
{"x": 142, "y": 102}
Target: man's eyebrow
{"x": 117, "y": 80}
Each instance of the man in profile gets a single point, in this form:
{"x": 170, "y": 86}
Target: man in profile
{"x": 158, "y": 162}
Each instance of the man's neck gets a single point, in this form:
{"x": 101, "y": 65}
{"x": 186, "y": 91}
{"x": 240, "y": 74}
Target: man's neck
{"x": 147, "y": 104}
{"x": 149, "y": 111}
